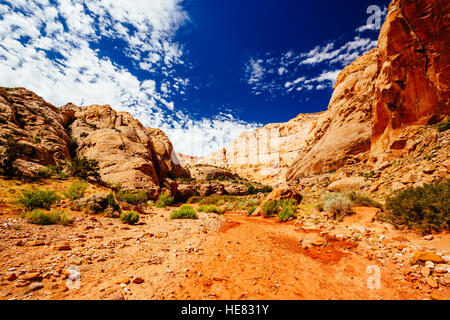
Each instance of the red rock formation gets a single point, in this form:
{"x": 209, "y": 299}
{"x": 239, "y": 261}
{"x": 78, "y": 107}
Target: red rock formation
{"x": 412, "y": 86}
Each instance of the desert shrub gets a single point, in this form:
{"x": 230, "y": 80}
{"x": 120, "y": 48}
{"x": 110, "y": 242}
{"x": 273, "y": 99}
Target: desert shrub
{"x": 247, "y": 203}
{"x": 251, "y": 210}
{"x": 425, "y": 208}
{"x": 164, "y": 200}
{"x": 129, "y": 217}
{"x": 76, "y": 190}
{"x": 48, "y": 217}
{"x": 337, "y": 204}
{"x": 132, "y": 197}
{"x": 319, "y": 207}
{"x": 361, "y": 199}
{"x": 36, "y": 139}
{"x": 228, "y": 207}
{"x": 12, "y": 150}
{"x": 185, "y": 212}
{"x": 286, "y": 213}
{"x": 444, "y": 126}
{"x": 38, "y": 199}
{"x": 211, "y": 209}
{"x": 194, "y": 199}
{"x": 216, "y": 199}
{"x": 269, "y": 209}
{"x": 84, "y": 168}
{"x": 253, "y": 190}
{"x": 111, "y": 202}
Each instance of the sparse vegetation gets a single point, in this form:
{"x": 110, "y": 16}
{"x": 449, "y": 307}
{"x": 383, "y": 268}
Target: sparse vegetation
{"x": 84, "y": 168}
{"x": 444, "y": 126}
{"x": 361, "y": 199}
{"x": 285, "y": 209}
{"x": 129, "y": 217}
{"x": 424, "y": 208}
{"x": 112, "y": 202}
{"x": 211, "y": 209}
{"x": 76, "y": 190}
{"x": 38, "y": 199}
{"x": 253, "y": 190}
{"x": 165, "y": 199}
{"x": 134, "y": 198}
{"x": 251, "y": 210}
{"x": 41, "y": 217}
{"x": 185, "y": 212}
{"x": 337, "y": 204}
{"x": 12, "y": 150}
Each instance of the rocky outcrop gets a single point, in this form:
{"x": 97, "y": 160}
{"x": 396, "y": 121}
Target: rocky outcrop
{"x": 263, "y": 155}
{"x": 343, "y": 134}
{"x": 413, "y": 74}
{"x": 31, "y": 121}
{"x": 128, "y": 153}
{"x": 205, "y": 172}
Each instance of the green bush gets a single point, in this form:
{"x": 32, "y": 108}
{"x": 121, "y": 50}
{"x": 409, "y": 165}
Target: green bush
{"x": 444, "y": 126}
{"x": 269, "y": 209}
{"x": 337, "y": 204}
{"x": 360, "y": 199}
{"x": 129, "y": 217}
{"x": 251, "y": 210}
{"x": 84, "y": 168}
{"x": 12, "y": 150}
{"x": 286, "y": 214}
{"x": 185, "y": 212}
{"x": 132, "y": 197}
{"x": 216, "y": 199}
{"x": 424, "y": 208}
{"x": 48, "y": 218}
{"x": 76, "y": 190}
{"x": 38, "y": 199}
{"x": 211, "y": 209}
{"x": 111, "y": 201}
{"x": 253, "y": 190}
{"x": 165, "y": 199}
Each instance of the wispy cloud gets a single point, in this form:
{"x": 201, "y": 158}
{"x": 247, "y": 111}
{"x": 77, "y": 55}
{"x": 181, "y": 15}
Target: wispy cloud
{"x": 52, "y": 48}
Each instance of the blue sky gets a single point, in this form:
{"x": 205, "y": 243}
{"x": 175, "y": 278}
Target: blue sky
{"x": 202, "y": 70}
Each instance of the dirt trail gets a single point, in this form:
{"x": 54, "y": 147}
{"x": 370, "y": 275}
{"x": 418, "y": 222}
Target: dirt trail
{"x": 256, "y": 258}
{"x": 215, "y": 257}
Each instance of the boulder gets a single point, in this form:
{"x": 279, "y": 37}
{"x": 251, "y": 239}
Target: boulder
{"x": 185, "y": 191}
{"x": 95, "y": 203}
{"x": 208, "y": 189}
{"x": 236, "y": 189}
{"x": 351, "y": 183}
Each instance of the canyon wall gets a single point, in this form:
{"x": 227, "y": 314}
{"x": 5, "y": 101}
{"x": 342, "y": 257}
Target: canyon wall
{"x": 265, "y": 154}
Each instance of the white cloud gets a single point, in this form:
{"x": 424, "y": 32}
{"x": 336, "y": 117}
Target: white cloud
{"x": 59, "y": 63}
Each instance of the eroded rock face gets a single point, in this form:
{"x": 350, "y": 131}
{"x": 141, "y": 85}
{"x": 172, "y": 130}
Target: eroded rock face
{"x": 344, "y": 132}
{"x": 412, "y": 86}
{"x": 263, "y": 155}
{"x": 128, "y": 153}
{"x": 123, "y": 147}
{"x": 35, "y": 123}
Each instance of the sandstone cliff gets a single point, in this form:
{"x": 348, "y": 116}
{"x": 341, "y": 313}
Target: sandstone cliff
{"x": 265, "y": 154}
{"x": 128, "y": 153}
{"x": 413, "y": 74}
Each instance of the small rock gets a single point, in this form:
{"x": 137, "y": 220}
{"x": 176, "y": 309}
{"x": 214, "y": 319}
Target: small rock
{"x": 425, "y": 271}
{"x": 428, "y": 237}
{"x": 31, "y": 276}
{"x": 432, "y": 283}
{"x": 442, "y": 268}
{"x": 64, "y": 248}
{"x": 11, "y": 277}
{"x": 138, "y": 280}
{"x": 424, "y": 256}
{"x": 122, "y": 279}
{"x": 36, "y": 286}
